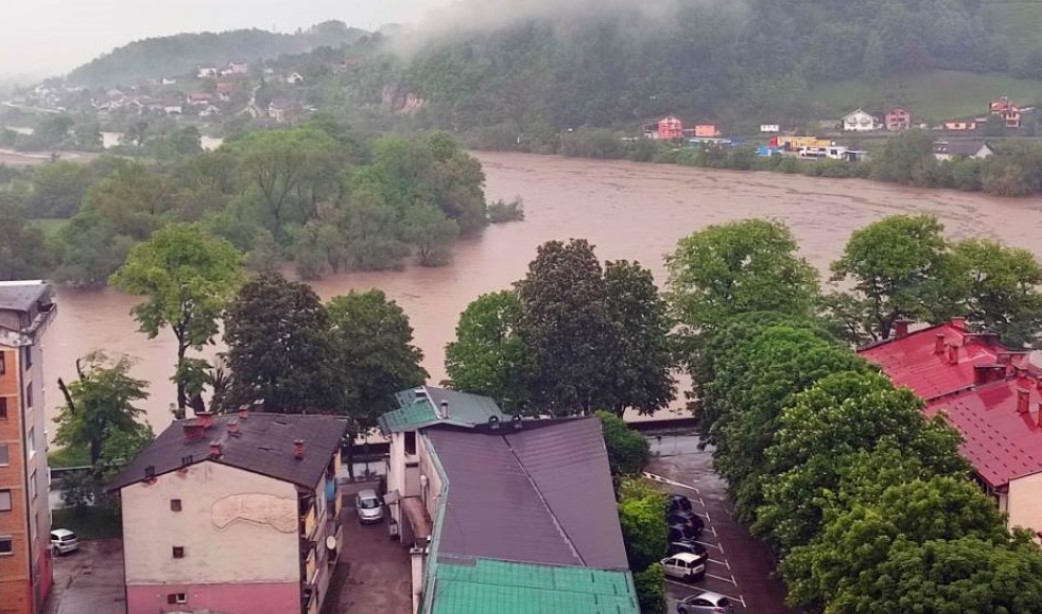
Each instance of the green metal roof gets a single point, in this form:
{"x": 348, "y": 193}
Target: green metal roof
{"x": 486, "y": 585}
{"x": 415, "y": 413}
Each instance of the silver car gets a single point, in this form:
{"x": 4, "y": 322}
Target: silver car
{"x": 705, "y": 603}
{"x": 367, "y": 505}
{"x": 63, "y": 541}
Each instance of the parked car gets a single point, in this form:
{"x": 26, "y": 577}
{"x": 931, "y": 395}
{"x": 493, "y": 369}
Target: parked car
{"x": 368, "y": 507}
{"x": 679, "y": 503}
{"x": 688, "y": 519}
{"x": 705, "y": 603}
{"x": 686, "y": 545}
{"x": 681, "y": 532}
{"x": 684, "y": 566}
{"x": 63, "y": 541}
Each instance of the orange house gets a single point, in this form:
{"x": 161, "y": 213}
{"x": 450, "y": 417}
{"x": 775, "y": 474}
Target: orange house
{"x": 898, "y": 118}
{"x": 706, "y": 131}
{"x": 670, "y": 128}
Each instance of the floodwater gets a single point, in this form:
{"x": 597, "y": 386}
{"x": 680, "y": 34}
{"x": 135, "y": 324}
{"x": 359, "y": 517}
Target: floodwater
{"x": 627, "y": 210}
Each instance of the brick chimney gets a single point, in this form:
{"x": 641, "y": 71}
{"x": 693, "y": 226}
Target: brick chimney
{"x": 1023, "y": 400}
{"x": 244, "y": 412}
{"x": 444, "y": 414}
{"x": 215, "y": 449}
{"x": 938, "y": 343}
{"x": 204, "y": 418}
{"x": 233, "y": 428}
{"x": 298, "y": 449}
{"x": 959, "y": 323}
{"x": 953, "y": 354}
{"x": 901, "y": 328}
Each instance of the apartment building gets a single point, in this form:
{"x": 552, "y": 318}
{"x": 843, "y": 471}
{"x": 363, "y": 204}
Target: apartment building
{"x": 238, "y": 514}
{"x": 26, "y": 308}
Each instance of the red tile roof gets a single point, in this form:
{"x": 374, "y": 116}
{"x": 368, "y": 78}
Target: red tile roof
{"x": 999, "y": 441}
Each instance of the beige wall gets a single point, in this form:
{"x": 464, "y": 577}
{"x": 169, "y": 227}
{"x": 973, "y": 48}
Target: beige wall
{"x": 1024, "y": 502}
{"x": 430, "y": 471}
{"x": 235, "y": 526}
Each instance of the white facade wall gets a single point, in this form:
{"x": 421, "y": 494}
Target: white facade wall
{"x": 235, "y": 526}
{"x": 859, "y": 121}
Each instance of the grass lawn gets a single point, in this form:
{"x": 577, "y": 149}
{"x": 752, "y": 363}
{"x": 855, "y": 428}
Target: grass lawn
{"x": 1020, "y": 21}
{"x": 935, "y": 95}
{"x": 69, "y": 456}
{"x": 93, "y": 523}
{"x": 50, "y": 226}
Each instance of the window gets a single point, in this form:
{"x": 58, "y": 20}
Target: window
{"x": 179, "y": 552}
{"x": 31, "y": 441}
{"x": 29, "y": 395}
{"x": 173, "y": 598}
{"x": 175, "y": 505}
{"x": 5, "y": 455}
{"x": 3, "y": 363}
{"x": 5, "y": 500}
{"x": 3, "y": 407}
{"x": 6, "y": 546}
{"x": 32, "y": 487}
{"x": 27, "y": 356}
{"x": 410, "y": 442}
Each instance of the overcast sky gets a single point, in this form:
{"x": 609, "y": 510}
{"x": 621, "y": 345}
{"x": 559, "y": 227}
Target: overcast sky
{"x": 45, "y": 37}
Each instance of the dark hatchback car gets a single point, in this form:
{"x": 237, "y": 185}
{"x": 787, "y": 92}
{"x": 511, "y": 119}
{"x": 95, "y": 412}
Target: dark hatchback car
{"x": 679, "y": 503}
{"x": 687, "y": 545}
{"x": 681, "y": 532}
{"x": 687, "y": 519}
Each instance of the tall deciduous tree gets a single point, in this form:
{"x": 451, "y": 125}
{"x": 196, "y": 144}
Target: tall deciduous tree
{"x": 373, "y": 352}
{"x": 900, "y": 267}
{"x": 187, "y": 279}
{"x": 640, "y": 362}
{"x": 1001, "y": 289}
{"x": 488, "y": 357}
{"x": 739, "y": 267}
{"x": 628, "y": 450}
{"x": 565, "y": 328}
{"x": 279, "y": 350}
{"x": 22, "y": 250}
{"x": 100, "y": 402}
{"x": 642, "y": 509}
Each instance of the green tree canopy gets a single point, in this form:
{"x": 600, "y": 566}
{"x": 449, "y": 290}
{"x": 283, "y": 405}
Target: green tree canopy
{"x": 187, "y": 279}
{"x": 23, "y": 253}
{"x": 739, "y": 267}
{"x": 628, "y": 450}
{"x": 488, "y": 357}
{"x": 279, "y": 348}
{"x": 642, "y": 515}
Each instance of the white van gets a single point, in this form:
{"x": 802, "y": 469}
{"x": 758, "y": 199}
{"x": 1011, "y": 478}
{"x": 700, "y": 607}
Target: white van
{"x": 685, "y": 566}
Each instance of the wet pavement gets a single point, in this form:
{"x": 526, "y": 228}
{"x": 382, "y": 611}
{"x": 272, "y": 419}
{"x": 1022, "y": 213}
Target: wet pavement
{"x": 89, "y": 581}
{"x": 378, "y": 574}
{"x": 740, "y": 566}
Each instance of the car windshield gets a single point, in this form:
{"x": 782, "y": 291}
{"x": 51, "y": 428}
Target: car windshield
{"x": 69, "y": 537}
{"x": 368, "y": 504}
{"x": 723, "y": 602}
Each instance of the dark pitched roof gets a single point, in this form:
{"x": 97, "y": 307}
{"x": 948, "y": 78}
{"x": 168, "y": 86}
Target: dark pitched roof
{"x": 540, "y": 495}
{"x": 21, "y": 295}
{"x": 419, "y": 407}
{"x": 264, "y": 445}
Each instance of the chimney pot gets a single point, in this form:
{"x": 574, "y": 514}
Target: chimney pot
{"x": 215, "y": 449}
{"x": 205, "y": 418}
{"x": 298, "y": 449}
{"x": 233, "y": 427}
{"x": 901, "y": 328}
{"x": 1023, "y": 400}
{"x": 938, "y": 343}
{"x": 192, "y": 430}
{"x": 953, "y": 354}
{"x": 244, "y": 412}
{"x": 444, "y": 410}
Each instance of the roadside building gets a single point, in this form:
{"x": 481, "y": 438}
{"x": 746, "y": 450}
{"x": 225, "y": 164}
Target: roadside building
{"x": 500, "y": 512}
{"x": 237, "y": 514}
{"x": 859, "y": 121}
{"x": 990, "y": 394}
{"x": 769, "y": 128}
{"x": 225, "y": 89}
{"x": 897, "y": 119}
{"x": 669, "y": 128}
{"x": 949, "y": 150}
{"x": 206, "y": 72}
{"x": 294, "y": 78}
{"x": 964, "y": 124}
{"x": 26, "y": 309}
{"x": 1010, "y": 113}
{"x": 706, "y": 131}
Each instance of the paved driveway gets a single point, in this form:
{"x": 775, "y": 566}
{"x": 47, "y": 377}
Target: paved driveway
{"x": 740, "y": 566}
{"x": 377, "y": 567}
{"x": 89, "y": 581}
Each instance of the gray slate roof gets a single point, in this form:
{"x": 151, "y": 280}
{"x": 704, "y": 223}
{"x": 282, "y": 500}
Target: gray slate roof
{"x": 21, "y": 295}
{"x": 264, "y": 445}
{"x": 540, "y": 495}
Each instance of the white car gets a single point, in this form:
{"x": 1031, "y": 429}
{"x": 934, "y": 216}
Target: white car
{"x": 63, "y": 541}
{"x": 367, "y": 505}
{"x": 685, "y": 566}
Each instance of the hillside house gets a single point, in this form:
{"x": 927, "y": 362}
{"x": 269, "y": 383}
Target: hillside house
{"x": 236, "y": 68}
{"x": 206, "y": 72}
{"x": 987, "y": 392}
{"x": 199, "y": 99}
{"x": 706, "y": 131}
{"x": 501, "y": 511}
{"x": 965, "y": 124}
{"x": 237, "y": 513}
{"x": 897, "y": 119}
{"x": 859, "y": 121}
{"x": 669, "y": 128}
{"x": 770, "y": 128}
{"x": 294, "y": 78}
{"x": 949, "y": 150}
{"x": 225, "y": 90}
{"x": 1009, "y": 112}
{"x": 173, "y": 108}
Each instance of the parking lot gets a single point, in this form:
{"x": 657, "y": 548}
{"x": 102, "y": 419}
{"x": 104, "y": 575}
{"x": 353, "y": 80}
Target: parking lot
{"x": 89, "y": 581}
{"x": 740, "y": 566}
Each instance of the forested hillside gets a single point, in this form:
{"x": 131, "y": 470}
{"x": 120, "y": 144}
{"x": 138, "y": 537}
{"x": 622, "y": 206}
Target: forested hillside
{"x": 174, "y": 55}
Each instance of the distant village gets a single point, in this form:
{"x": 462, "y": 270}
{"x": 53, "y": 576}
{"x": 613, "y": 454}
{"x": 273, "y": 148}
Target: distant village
{"x": 956, "y": 137}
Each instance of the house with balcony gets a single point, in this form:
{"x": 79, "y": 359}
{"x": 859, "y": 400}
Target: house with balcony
{"x": 897, "y": 119}
{"x": 502, "y": 512}
{"x": 859, "y": 120}
{"x": 237, "y": 513}
{"x": 992, "y": 395}
{"x": 26, "y": 310}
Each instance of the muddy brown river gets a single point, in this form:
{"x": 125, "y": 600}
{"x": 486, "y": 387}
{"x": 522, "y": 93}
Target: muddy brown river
{"x": 628, "y": 210}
